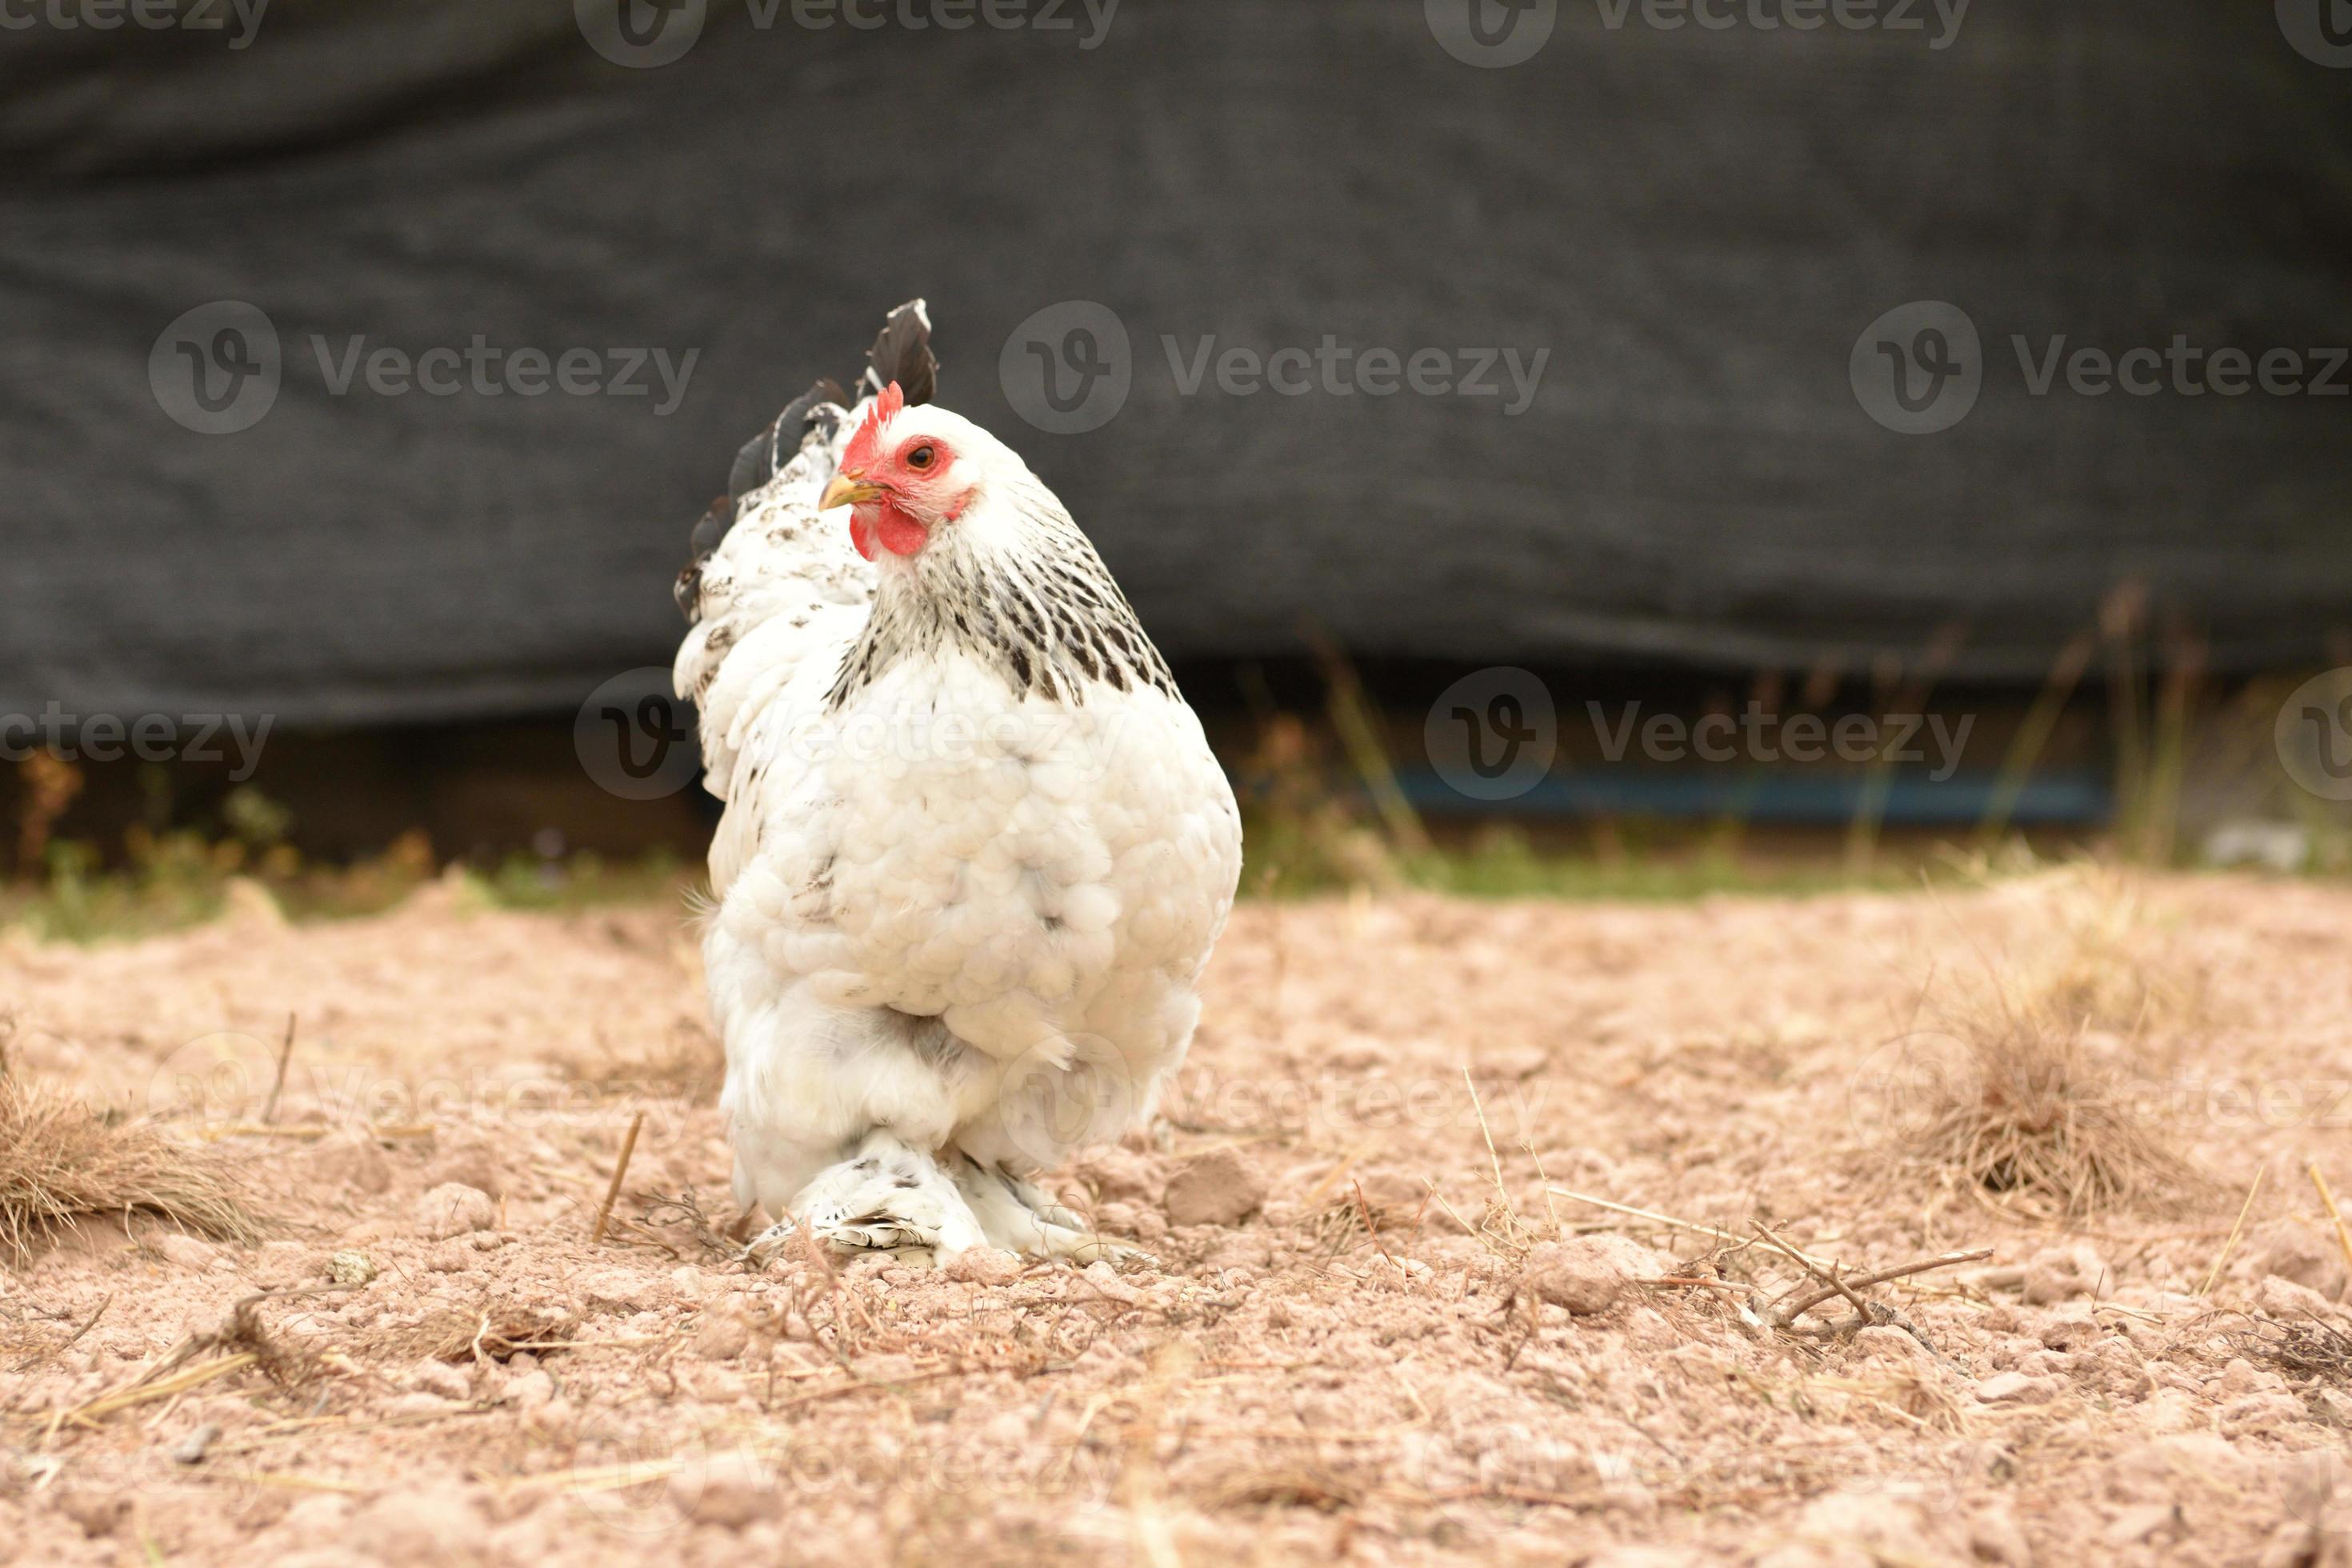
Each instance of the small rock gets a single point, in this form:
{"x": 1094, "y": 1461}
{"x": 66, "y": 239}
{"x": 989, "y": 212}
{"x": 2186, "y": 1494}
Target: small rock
{"x": 438, "y": 1377}
{"x": 350, "y": 1268}
{"x": 99, "y": 1513}
{"x": 529, "y": 1389}
{"x": 725, "y": 1332}
{"x": 190, "y": 1450}
{"x": 469, "y": 1165}
{"x": 2158, "y": 1470}
{"x": 554, "y": 1420}
{"x": 2135, "y": 1525}
{"x": 2063, "y": 1273}
{"x": 2241, "y": 1377}
{"x": 2016, "y": 1388}
{"x": 1105, "y": 1282}
{"x": 450, "y": 1210}
{"x": 2283, "y": 1298}
{"x": 2258, "y": 1413}
{"x": 732, "y": 1491}
{"x": 1573, "y": 1273}
{"x": 423, "y": 1525}
{"x": 1218, "y": 1188}
{"x": 1118, "y": 1174}
{"x": 1884, "y": 1525}
{"x": 1995, "y": 1536}
{"x": 2299, "y": 1254}
{"x": 985, "y": 1266}
{"x": 187, "y": 1252}
{"x": 2071, "y": 1330}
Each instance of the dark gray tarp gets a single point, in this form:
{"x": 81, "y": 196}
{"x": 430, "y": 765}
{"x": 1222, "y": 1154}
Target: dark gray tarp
{"x": 1697, "y": 224}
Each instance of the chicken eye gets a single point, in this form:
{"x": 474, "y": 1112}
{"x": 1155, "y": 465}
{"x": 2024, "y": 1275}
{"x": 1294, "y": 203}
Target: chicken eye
{"x": 923, "y": 458}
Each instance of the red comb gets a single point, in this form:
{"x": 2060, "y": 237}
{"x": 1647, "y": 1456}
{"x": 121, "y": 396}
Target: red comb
{"x": 866, "y": 445}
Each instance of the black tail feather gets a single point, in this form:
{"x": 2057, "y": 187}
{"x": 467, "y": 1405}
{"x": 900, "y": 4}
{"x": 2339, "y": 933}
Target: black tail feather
{"x": 903, "y": 354}
{"x": 716, "y": 521}
{"x": 771, "y": 449}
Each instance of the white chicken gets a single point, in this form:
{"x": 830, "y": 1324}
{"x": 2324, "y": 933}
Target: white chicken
{"x": 975, "y": 849}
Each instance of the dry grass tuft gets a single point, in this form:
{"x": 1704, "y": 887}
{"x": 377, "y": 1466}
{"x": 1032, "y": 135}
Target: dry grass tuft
{"x": 2310, "y": 1351}
{"x": 62, "y": 1163}
{"x": 2036, "y": 1124}
{"x": 2112, "y": 966}
{"x": 1309, "y": 1485}
{"x": 495, "y": 1332}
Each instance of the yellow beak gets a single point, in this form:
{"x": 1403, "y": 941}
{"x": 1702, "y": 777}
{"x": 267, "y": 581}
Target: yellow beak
{"x": 848, "y": 490}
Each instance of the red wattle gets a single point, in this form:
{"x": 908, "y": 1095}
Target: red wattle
{"x": 861, "y": 533}
{"x": 901, "y": 534}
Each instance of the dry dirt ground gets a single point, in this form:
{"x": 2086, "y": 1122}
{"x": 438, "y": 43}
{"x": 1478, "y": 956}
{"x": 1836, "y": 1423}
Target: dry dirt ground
{"x": 1377, "y": 1327}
